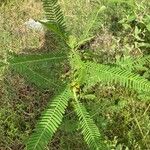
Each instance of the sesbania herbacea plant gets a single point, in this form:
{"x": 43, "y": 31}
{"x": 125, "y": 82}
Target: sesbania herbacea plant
{"x": 83, "y": 74}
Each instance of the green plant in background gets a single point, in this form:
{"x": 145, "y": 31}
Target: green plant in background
{"x": 137, "y": 24}
{"x": 81, "y": 75}
{"x": 130, "y": 27}
{"x": 131, "y": 22}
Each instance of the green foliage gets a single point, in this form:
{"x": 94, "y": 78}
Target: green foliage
{"x": 28, "y": 67}
{"x": 50, "y": 121}
{"x": 54, "y": 13}
{"x": 113, "y": 75}
{"x": 33, "y": 76}
{"x": 137, "y": 23}
{"x": 89, "y": 129}
{"x": 55, "y": 19}
{"x": 29, "y": 59}
{"x": 83, "y": 74}
{"x": 132, "y": 24}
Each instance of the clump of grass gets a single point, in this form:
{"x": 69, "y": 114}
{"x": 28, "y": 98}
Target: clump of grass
{"x": 13, "y": 30}
{"x": 21, "y": 105}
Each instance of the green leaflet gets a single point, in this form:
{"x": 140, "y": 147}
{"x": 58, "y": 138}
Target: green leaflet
{"x": 53, "y": 12}
{"x": 29, "y": 59}
{"x": 54, "y": 27}
{"x": 34, "y": 77}
{"x": 26, "y": 66}
{"x": 89, "y": 129}
{"x": 130, "y": 63}
{"x": 49, "y": 122}
{"x": 55, "y": 18}
{"x": 114, "y": 75}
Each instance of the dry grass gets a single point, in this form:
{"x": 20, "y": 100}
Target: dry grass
{"x": 18, "y": 100}
{"x": 14, "y": 34}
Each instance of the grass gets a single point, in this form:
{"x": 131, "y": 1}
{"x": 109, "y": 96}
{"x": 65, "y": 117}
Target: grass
{"x": 122, "y": 116}
{"x": 15, "y": 33}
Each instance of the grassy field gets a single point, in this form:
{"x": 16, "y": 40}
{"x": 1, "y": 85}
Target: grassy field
{"x": 122, "y": 116}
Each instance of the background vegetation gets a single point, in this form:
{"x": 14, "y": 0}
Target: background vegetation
{"x": 122, "y": 34}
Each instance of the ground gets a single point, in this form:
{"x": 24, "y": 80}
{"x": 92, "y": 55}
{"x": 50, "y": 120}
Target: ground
{"x": 121, "y": 116}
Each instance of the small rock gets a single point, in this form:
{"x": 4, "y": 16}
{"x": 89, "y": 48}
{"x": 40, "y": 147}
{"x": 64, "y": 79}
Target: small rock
{"x": 35, "y": 25}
